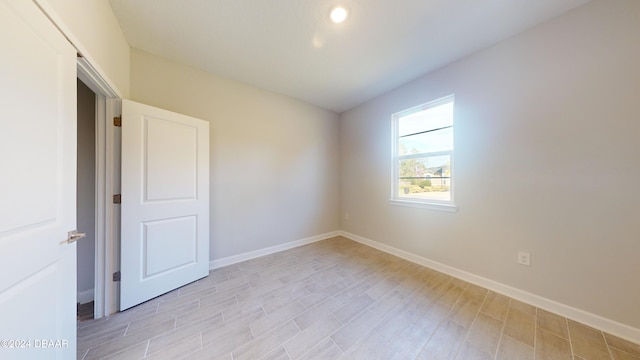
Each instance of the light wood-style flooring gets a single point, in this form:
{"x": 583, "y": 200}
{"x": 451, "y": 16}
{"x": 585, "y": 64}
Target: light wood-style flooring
{"x": 337, "y": 299}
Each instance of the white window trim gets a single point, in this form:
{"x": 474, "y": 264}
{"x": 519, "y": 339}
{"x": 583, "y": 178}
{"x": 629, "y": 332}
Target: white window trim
{"x": 430, "y": 204}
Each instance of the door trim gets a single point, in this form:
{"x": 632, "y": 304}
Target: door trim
{"x": 106, "y": 292}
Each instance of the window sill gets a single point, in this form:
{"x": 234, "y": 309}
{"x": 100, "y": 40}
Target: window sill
{"x": 425, "y": 205}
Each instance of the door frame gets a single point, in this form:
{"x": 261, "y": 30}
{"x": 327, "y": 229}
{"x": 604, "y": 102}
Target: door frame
{"x": 107, "y": 214}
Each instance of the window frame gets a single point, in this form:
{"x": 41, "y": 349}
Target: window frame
{"x": 432, "y": 204}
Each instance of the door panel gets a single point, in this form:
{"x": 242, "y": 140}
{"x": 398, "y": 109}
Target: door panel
{"x": 37, "y": 185}
{"x": 169, "y": 244}
{"x": 171, "y": 170}
{"x": 165, "y": 202}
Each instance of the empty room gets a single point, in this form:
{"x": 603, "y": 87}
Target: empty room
{"x": 320, "y": 179}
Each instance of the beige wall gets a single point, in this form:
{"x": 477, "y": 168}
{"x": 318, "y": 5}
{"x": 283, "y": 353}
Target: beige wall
{"x": 93, "y": 29}
{"x": 547, "y": 151}
{"x": 274, "y": 159}
{"x": 85, "y": 190}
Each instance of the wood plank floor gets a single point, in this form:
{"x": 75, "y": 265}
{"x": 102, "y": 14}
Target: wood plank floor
{"x": 84, "y": 311}
{"x": 337, "y": 299}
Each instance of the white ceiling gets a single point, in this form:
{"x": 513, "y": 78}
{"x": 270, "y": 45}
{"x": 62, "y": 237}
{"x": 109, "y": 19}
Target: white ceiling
{"x": 291, "y": 47}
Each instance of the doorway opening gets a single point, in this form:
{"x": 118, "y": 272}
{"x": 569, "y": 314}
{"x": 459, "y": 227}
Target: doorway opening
{"x": 86, "y": 200}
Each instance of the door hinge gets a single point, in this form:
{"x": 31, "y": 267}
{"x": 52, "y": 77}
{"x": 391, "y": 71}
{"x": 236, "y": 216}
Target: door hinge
{"x": 117, "y": 199}
{"x": 116, "y": 276}
{"x": 117, "y": 121}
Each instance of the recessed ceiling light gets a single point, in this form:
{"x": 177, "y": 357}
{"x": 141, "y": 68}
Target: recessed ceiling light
{"x": 339, "y": 14}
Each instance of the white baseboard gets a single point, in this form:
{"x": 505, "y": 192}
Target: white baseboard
{"x": 215, "y": 264}
{"x": 612, "y": 327}
{"x": 85, "y": 296}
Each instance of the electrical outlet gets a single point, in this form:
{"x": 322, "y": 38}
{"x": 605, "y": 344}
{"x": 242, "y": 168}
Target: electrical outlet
{"x": 524, "y": 258}
{"x": 346, "y": 216}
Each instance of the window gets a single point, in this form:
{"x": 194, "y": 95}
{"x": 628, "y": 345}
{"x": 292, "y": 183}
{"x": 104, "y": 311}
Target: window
{"x": 423, "y": 155}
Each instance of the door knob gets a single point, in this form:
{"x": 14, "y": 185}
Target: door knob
{"x": 73, "y": 236}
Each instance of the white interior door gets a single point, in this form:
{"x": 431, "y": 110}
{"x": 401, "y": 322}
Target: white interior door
{"x": 165, "y": 202}
{"x": 37, "y": 186}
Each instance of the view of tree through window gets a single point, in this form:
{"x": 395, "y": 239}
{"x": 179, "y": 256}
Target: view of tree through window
{"x": 424, "y": 151}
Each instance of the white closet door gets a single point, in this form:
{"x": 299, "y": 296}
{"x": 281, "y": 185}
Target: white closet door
{"x": 37, "y": 186}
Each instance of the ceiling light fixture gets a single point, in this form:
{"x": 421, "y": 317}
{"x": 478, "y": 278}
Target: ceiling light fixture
{"x": 339, "y": 14}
